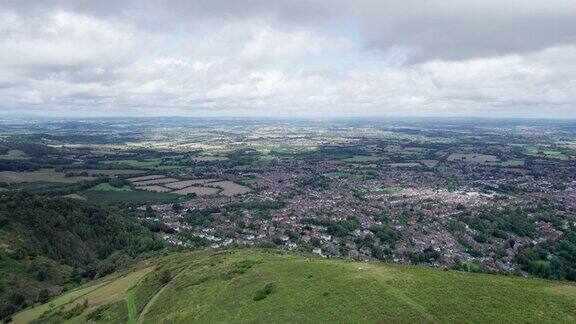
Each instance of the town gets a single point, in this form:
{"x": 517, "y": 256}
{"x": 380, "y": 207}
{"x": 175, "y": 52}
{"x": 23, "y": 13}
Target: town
{"x": 479, "y": 195}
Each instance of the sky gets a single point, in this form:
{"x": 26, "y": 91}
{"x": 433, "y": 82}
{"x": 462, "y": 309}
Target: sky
{"x": 288, "y": 58}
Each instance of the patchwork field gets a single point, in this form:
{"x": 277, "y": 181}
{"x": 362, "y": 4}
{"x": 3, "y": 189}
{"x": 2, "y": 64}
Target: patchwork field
{"x": 200, "y": 187}
{"x": 187, "y": 183}
{"x": 155, "y": 181}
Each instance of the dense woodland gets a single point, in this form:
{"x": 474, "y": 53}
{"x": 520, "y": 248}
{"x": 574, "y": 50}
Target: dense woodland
{"x": 51, "y": 244}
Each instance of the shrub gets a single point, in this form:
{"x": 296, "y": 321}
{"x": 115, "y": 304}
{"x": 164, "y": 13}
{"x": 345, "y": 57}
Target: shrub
{"x": 264, "y": 292}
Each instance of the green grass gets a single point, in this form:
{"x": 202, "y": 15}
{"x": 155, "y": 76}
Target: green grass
{"x": 387, "y": 190}
{"x": 148, "y": 164}
{"x": 107, "y": 187}
{"x": 248, "y": 181}
{"x": 130, "y": 299}
{"x": 363, "y": 159}
{"x": 14, "y": 155}
{"x": 544, "y": 151}
{"x": 254, "y": 286}
{"x": 473, "y": 158}
{"x": 105, "y": 292}
{"x": 75, "y": 196}
{"x": 344, "y": 175}
{"x": 318, "y": 290}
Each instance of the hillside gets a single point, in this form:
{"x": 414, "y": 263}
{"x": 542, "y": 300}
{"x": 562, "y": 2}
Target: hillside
{"x": 51, "y": 244}
{"x": 252, "y": 285}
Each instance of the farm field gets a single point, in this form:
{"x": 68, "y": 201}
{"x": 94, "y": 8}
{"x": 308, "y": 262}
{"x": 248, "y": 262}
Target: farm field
{"x": 200, "y": 191}
{"x": 153, "y": 188}
{"x": 230, "y": 188}
{"x": 108, "y": 187}
{"x": 404, "y": 165}
{"x": 209, "y": 158}
{"x": 187, "y": 183}
{"x": 148, "y": 164}
{"x": 154, "y": 181}
{"x": 430, "y": 163}
{"x": 473, "y": 158}
{"x": 201, "y": 187}
{"x": 147, "y": 177}
{"x": 44, "y": 175}
{"x": 111, "y": 172}
{"x": 14, "y": 155}
{"x": 363, "y": 159}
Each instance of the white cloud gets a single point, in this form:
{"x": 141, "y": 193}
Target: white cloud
{"x": 64, "y": 60}
{"x": 268, "y": 43}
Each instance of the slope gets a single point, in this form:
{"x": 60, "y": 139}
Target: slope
{"x": 253, "y": 285}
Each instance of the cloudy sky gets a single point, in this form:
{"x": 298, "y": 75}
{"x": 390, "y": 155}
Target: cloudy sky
{"x": 489, "y": 58}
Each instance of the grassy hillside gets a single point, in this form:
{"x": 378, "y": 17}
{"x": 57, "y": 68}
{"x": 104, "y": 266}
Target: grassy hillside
{"x": 269, "y": 286}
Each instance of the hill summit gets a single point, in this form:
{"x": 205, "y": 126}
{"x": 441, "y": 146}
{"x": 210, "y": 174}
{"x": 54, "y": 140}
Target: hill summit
{"x": 257, "y": 285}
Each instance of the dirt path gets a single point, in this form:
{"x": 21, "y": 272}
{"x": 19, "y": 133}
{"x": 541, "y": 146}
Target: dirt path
{"x": 156, "y": 296}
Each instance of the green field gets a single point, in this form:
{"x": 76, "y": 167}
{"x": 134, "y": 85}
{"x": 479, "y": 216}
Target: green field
{"x": 256, "y": 286}
{"x": 248, "y": 181}
{"x": 14, "y": 155}
{"x": 387, "y": 190}
{"x": 147, "y": 164}
{"x": 43, "y": 175}
{"x": 473, "y": 158}
{"x": 543, "y": 151}
{"x": 344, "y": 175}
{"x": 364, "y": 159}
{"x": 107, "y": 187}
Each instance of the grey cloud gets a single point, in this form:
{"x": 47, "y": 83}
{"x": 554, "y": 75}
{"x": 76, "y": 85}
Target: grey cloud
{"x": 445, "y": 29}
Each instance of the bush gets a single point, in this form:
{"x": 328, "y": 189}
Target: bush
{"x": 264, "y": 292}
{"x": 165, "y": 277}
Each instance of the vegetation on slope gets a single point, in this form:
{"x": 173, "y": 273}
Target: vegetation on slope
{"x": 252, "y": 285}
{"x": 49, "y": 244}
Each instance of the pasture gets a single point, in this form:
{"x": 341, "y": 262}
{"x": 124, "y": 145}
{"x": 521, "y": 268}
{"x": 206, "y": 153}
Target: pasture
{"x": 146, "y": 164}
{"x": 44, "y": 175}
{"x": 473, "y": 158}
{"x": 14, "y": 155}
{"x": 187, "y": 183}
{"x": 154, "y": 188}
{"x": 230, "y": 188}
{"x": 107, "y": 187}
{"x": 199, "y": 191}
{"x": 363, "y": 159}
